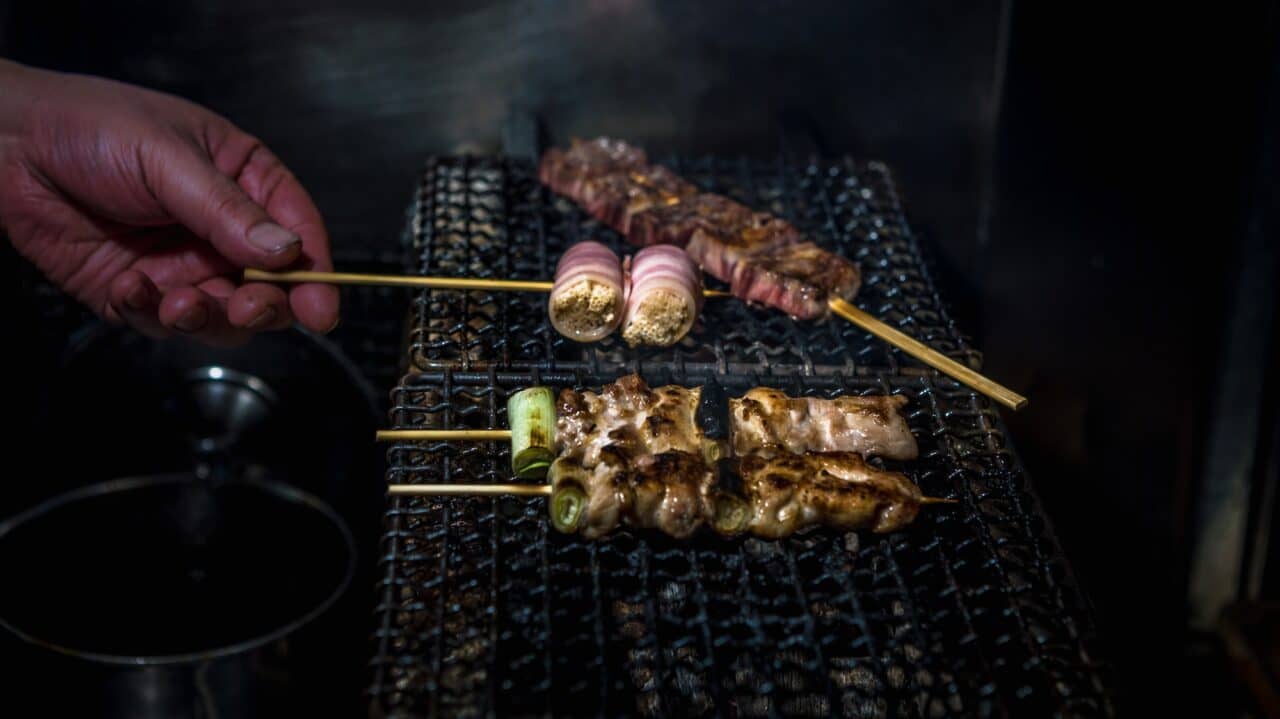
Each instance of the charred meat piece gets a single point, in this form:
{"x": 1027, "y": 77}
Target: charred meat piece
{"x": 628, "y": 417}
{"x": 634, "y": 456}
{"x": 673, "y": 223}
{"x": 669, "y": 492}
{"x": 790, "y": 493}
{"x": 665, "y": 491}
{"x": 566, "y": 171}
{"x": 636, "y": 419}
{"x": 616, "y": 198}
{"x": 797, "y": 279}
{"x": 766, "y": 421}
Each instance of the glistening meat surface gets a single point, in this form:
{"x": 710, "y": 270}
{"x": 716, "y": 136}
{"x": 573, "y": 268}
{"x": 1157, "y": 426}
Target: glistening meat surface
{"x": 790, "y": 493}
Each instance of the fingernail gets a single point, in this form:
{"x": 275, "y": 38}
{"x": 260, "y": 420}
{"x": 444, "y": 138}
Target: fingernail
{"x": 193, "y": 320}
{"x": 263, "y": 319}
{"x": 334, "y": 326}
{"x": 139, "y": 298}
{"x": 272, "y": 238}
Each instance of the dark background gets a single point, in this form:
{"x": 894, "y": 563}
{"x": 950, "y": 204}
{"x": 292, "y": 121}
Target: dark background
{"x": 1095, "y": 184}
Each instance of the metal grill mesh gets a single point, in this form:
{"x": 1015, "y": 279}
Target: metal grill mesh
{"x": 483, "y": 609}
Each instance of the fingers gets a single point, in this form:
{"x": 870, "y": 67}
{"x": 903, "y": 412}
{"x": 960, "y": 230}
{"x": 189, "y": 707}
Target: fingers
{"x": 269, "y": 183}
{"x": 134, "y": 299}
{"x": 195, "y": 313}
{"x": 218, "y": 210}
{"x": 216, "y": 312}
{"x": 259, "y": 307}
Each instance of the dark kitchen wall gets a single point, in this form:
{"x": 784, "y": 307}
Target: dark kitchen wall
{"x": 1129, "y": 176}
{"x": 354, "y": 95}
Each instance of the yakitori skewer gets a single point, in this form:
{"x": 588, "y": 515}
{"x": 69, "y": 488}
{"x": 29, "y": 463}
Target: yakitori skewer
{"x": 847, "y": 310}
{"x": 703, "y": 420}
{"x": 522, "y": 490}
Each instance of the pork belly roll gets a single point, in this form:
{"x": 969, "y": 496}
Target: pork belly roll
{"x": 664, "y": 298}
{"x": 587, "y": 299}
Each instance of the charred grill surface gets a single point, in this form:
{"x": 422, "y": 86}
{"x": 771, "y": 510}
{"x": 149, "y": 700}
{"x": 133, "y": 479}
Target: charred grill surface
{"x": 485, "y": 609}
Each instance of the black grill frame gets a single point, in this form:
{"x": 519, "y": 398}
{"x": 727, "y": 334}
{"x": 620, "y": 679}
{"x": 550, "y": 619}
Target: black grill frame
{"x": 485, "y": 610}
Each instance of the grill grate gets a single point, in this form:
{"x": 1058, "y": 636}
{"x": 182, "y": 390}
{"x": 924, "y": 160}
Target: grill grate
{"x": 484, "y": 609}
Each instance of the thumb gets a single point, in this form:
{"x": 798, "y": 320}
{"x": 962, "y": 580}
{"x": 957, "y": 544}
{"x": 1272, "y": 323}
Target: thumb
{"x": 217, "y": 210}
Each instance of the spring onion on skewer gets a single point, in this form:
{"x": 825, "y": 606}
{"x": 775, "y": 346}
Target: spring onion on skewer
{"x": 568, "y": 507}
{"x": 732, "y": 510}
{"x": 531, "y": 414}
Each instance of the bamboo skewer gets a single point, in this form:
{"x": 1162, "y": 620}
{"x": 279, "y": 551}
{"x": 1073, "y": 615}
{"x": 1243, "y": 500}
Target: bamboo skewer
{"x": 489, "y": 490}
{"x": 521, "y": 490}
{"x": 847, "y": 310}
{"x": 928, "y": 355}
{"x": 435, "y": 283}
{"x": 457, "y": 435}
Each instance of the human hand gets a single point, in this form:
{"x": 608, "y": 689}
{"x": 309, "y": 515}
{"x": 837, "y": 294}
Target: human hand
{"x": 145, "y": 207}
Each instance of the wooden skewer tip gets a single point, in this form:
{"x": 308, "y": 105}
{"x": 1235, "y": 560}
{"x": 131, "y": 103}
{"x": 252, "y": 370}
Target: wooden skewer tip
{"x": 928, "y": 355}
{"x": 938, "y": 500}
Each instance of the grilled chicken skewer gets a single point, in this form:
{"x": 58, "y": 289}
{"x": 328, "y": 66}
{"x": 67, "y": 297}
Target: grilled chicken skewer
{"x": 771, "y": 497}
{"x": 762, "y": 421}
{"x": 659, "y": 458}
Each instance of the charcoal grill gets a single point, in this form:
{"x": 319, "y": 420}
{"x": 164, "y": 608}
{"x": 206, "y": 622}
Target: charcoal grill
{"x": 484, "y": 609}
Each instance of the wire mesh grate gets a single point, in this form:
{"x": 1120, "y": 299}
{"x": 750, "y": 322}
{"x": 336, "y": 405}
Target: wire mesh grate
{"x": 483, "y": 609}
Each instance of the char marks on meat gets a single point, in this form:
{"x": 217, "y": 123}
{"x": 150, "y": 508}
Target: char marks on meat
{"x": 797, "y": 279}
{"x": 790, "y": 493}
{"x": 638, "y": 454}
{"x": 673, "y": 223}
{"x": 767, "y": 421}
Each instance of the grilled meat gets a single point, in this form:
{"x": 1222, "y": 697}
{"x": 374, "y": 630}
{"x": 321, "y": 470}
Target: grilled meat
{"x": 566, "y": 172}
{"x": 616, "y": 198}
{"x": 634, "y": 419}
{"x": 673, "y": 223}
{"x": 766, "y": 421}
{"x": 666, "y": 491}
{"x": 796, "y": 278}
{"x": 770, "y": 497}
{"x": 763, "y": 258}
{"x": 789, "y": 493}
{"x": 629, "y": 418}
